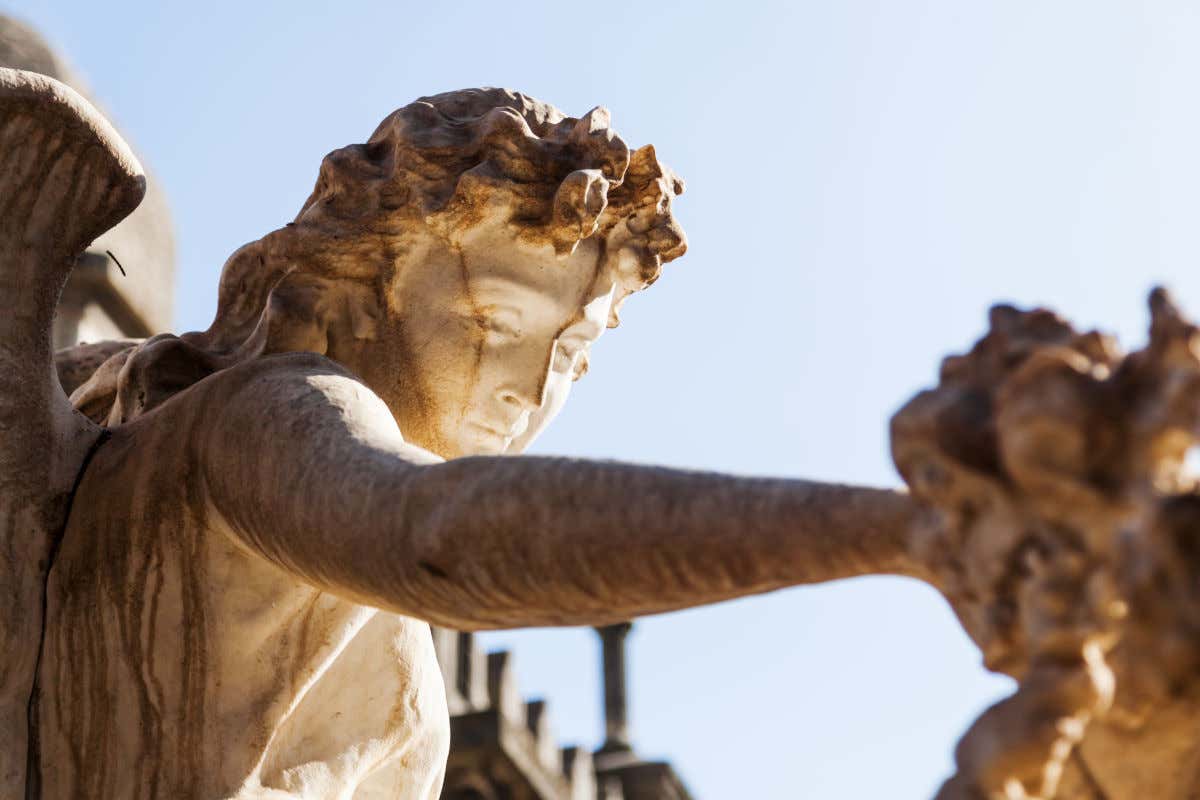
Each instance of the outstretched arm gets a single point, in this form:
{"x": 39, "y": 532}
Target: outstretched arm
{"x": 308, "y": 469}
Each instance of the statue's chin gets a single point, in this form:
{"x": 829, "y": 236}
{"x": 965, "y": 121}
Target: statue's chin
{"x": 519, "y": 444}
{"x": 468, "y": 438}
{"x": 515, "y": 448}
{"x": 508, "y": 447}
{"x": 478, "y": 443}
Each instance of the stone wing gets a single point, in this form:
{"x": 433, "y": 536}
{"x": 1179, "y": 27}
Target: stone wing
{"x": 65, "y": 177}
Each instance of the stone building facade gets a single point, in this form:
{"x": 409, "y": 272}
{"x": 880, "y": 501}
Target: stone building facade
{"x": 501, "y": 745}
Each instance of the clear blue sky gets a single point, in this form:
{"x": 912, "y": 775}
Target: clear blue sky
{"x": 865, "y": 178}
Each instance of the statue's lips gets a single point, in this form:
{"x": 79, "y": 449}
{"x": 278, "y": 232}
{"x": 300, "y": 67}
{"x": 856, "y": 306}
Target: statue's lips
{"x": 492, "y": 430}
{"x": 500, "y": 425}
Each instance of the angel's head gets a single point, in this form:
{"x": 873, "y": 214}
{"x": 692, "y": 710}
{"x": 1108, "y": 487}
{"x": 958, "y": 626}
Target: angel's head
{"x": 461, "y": 262}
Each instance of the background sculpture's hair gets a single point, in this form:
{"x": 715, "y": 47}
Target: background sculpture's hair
{"x": 445, "y": 163}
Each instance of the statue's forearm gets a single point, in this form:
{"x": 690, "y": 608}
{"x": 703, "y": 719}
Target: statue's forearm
{"x": 327, "y": 491}
{"x": 540, "y": 541}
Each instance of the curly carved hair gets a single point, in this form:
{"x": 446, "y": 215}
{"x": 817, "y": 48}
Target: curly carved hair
{"x": 441, "y": 161}
{"x": 441, "y": 164}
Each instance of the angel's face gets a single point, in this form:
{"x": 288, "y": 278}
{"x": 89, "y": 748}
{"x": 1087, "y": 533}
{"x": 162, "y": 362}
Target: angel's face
{"x": 491, "y": 333}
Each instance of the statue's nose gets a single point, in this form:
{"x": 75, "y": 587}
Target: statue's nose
{"x": 526, "y": 395}
{"x": 525, "y": 390}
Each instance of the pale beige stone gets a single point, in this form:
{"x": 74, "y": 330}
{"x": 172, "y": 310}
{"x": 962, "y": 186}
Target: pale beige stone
{"x": 273, "y": 508}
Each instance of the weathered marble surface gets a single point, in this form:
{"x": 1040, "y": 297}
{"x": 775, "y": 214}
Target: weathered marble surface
{"x": 65, "y": 178}
{"x": 218, "y": 558}
{"x": 1065, "y": 537}
{"x": 237, "y": 604}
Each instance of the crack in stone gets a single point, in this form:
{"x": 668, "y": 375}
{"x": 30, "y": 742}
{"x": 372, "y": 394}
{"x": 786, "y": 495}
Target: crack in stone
{"x": 33, "y": 769}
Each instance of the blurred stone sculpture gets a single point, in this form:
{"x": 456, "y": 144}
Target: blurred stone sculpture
{"x": 1066, "y": 536}
{"x": 219, "y": 556}
{"x": 99, "y": 302}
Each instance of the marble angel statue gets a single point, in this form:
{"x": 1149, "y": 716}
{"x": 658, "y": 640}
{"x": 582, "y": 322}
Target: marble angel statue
{"x": 220, "y": 551}
{"x": 222, "y": 540}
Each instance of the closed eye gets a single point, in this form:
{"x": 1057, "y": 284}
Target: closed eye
{"x": 500, "y": 321}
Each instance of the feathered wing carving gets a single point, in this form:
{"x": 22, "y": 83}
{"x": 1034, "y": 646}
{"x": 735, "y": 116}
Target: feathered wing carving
{"x": 65, "y": 177}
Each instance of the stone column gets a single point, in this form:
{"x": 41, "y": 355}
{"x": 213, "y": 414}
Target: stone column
{"x": 616, "y": 715}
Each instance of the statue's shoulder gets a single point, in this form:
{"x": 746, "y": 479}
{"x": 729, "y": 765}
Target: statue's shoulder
{"x": 285, "y": 375}
{"x": 140, "y": 377}
{"x": 286, "y": 386}
{"x": 282, "y": 403}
